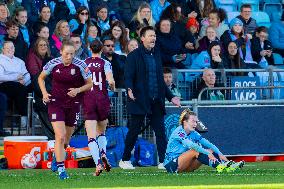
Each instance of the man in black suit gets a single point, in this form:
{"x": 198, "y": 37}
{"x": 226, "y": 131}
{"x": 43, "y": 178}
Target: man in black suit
{"x": 146, "y": 95}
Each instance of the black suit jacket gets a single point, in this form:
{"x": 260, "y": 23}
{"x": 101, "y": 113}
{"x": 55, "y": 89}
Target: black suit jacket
{"x": 256, "y": 49}
{"x": 136, "y": 78}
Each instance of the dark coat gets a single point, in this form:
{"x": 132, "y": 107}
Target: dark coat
{"x": 169, "y": 45}
{"x": 21, "y": 47}
{"x": 256, "y": 48}
{"x": 249, "y": 26}
{"x": 226, "y": 39}
{"x": 117, "y": 63}
{"x": 136, "y": 78}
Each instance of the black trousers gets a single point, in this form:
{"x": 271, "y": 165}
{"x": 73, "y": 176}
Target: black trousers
{"x": 3, "y": 107}
{"x": 18, "y": 93}
{"x": 157, "y": 124}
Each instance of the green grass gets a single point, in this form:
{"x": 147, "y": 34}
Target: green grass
{"x": 253, "y": 175}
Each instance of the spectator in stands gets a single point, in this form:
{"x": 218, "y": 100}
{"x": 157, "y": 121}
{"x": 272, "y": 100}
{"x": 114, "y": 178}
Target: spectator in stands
{"x": 80, "y": 23}
{"x": 120, "y": 35}
{"x": 146, "y": 91}
{"x": 276, "y": 36}
{"x": 3, "y": 108}
{"x": 44, "y": 19}
{"x": 136, "y": 34}
{"x": 38, "y": 56}
{"x": 93, "y": 33}
{"x": 261, "y": 48}
{"x": 14, "y": 79}
{"x": 248, "y": 22}
{"x": 216, "y": 20}
{"x": 12, "y": 5}
{"x": 212, "y": 58}
{"x": 193, "y": 26}
{"x": 112, "y": 6}
{"x": 21, "y": 16}
{"x": 21, "y": 47}
{"x": 131, "y": 45}
{"x": 33, "y": 7}
{"x": 168, "y": 78}
{"x": 117, "y": 61}
{"x": 61, "y": 32}
{"x": 42, "y": 31}
{"x": 199, "y": 9}
{"x": 243, "y": 42}
{"x": 102, "y": 19}
{"x": 233, "y": 60}
{"x": 80, "y": 52}
{"x": 204, "y": 42}
{"x": 173, "y": 53}
{"x": 128, "y": 8}
{"x": 173, "y": 12}
{"x": 209, "y": 80}
{"x": 4, "y": 14}
{"x": 143, "y": 16}
{"x": 157, "y": 7}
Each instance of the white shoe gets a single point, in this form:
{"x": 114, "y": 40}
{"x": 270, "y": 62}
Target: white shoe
{"x": 161, "y": 166}
{"x": 125, "y": 165}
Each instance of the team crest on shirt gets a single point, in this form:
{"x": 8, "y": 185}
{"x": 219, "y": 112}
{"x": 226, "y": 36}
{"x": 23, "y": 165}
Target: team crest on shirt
{"x": 57, "y": 71}
{"x": 73, "y": 71}
{"x": 181, "y": 134}
{"x": 53, "y": 116}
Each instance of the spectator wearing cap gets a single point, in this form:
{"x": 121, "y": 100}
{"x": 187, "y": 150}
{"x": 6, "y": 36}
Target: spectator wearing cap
{"x": 157, "y": 7}
{"x": 21, "y": 48}
{"x": 249, "y": 22}
{"x": 236, "y": 34}
{"x": 193, "y": 26}
{"x": 102, "y": 19}
{"x": 276, "y": 36}
{"x": 80, "y": 23}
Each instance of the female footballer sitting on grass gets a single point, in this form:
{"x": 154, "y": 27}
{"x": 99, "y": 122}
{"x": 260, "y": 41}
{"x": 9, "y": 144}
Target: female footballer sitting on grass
{"x": 187, "y": 150}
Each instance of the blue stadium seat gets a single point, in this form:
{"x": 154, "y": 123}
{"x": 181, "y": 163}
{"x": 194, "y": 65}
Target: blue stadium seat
{"x": 228, "y": 5}
{"x": 232, "y": 15}
{"x": 278, "y": 60}
{"x": 262, "y": 19}
{"x": 254, "y": 4}
{"x": 274, "y": 10}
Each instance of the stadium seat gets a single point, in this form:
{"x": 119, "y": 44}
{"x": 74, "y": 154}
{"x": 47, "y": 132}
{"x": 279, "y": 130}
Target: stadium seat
{"x": 277, "y": 59}
{"x": 232, "y": 15}
{"x": 274, "y": 10}
{"x": 254, "y": 4}
{"x": 228, "y": 5}
{"x": 262, "y": 19}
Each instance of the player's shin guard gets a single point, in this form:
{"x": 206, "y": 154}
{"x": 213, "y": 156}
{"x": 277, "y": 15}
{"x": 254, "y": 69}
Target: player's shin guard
{"x": 94, "y": 149}
{"x": 203, "y": 158}
{"x": 102, "y": 142}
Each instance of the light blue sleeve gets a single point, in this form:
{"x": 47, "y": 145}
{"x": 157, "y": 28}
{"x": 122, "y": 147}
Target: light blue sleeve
{"x": 107, "y": 67}
{"x": 201, "y": 61}
{"x": 73, "y": 24}
{"x": 71, "y": 6}
{"x": 211, "y": 146}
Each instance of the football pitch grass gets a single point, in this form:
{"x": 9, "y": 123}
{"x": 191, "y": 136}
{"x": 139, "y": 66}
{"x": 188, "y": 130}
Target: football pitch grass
{"x": 253, "y": 175}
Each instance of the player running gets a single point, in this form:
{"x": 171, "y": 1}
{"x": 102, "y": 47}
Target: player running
{"x": 187, "y": 150}
{"x": 70, "y": 77}
{"x": 97, "y": 106}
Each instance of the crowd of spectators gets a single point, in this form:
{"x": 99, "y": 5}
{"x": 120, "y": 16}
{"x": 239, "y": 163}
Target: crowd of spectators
{"x": 192, "y": 34}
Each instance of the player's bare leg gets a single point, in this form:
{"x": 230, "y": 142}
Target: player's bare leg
{"x": 187, "y": 162}
{"x": 101, "y": 138}
{"x": 69, "y": 132}
{"x": 91, "y": 126}
{"x": 60, "y": 133}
